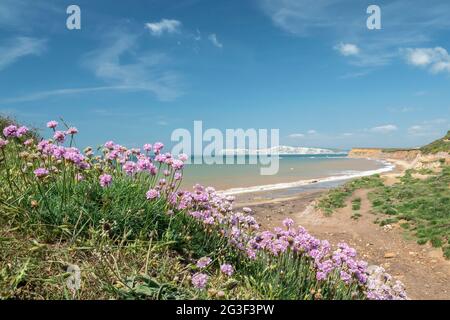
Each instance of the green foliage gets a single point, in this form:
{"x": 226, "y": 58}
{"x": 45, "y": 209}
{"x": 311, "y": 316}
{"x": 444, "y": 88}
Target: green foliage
{"x": 356, "y": 204}
{"x": 441, "y": 145}
{"x": 424, "y": 204}
{"x": 336, "y": 198}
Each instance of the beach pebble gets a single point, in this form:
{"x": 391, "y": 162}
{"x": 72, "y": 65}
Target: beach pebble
{"x": 389, "y": 255}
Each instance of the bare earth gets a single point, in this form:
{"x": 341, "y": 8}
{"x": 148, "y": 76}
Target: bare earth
{"x": 423, "y": 269}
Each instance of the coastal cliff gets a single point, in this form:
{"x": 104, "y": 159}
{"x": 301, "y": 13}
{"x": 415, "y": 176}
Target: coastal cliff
{"x": 373, "y": 153}
{"x": 428, "y": 157}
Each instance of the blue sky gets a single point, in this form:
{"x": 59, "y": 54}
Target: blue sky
{"x": 137, "y": 70}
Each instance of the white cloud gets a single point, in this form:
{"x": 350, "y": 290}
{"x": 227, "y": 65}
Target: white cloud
{"x": 297, "y": 135}
{"x": 303, "y": 135}
{"x": 165, "y": 25}
{"x": 19, "y": 47}
{"x": 162, "y": 123}
{"x": 213, "y": 38}
{"x": 435, "y": 59}
{"x": 347, "y": 49}
{"x": 384, "y": 129}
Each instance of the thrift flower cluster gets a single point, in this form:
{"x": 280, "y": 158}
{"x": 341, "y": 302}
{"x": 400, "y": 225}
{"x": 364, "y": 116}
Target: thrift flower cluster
{"x": 242, "y": 231}
{"x": 163, "y": 170}
{"x": 163, "y": 173}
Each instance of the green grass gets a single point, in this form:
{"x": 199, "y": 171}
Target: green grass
{"x": 337, "y": 197}
{"x": 423, "y": 204}
{"x": 356, "y": 206}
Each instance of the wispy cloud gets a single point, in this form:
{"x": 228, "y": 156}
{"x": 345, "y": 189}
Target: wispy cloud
{"x": 213, "y": 38}
{"x": 347, "y": 49}
{"x": 19, "y": 47}
{"x": 436, "y": 60}
{"x": 296, "y": 135}
{"x": 384, "y": 129}
{"x": 62, "y": 92}
{"x": 145, "y": 71}
{"x": 25, "y": 15}
{"x": 402, "y": 109}
{"x": 308, "y": 134}
{"x": 354, "y": 75}
{"x": 429, "y": 128}
{"x": 163, "y": 26}
{"x": 142, "y": 71}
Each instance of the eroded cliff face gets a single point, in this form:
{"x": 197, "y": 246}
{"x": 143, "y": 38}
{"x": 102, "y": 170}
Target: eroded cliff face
{"x": 407, "y": 155}
{"x": 414, "y": 157}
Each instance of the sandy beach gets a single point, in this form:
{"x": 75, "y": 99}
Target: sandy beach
{"x": 386, "y": 246}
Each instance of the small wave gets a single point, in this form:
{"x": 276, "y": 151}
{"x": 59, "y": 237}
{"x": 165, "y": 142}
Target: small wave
{"x": 278, "y": 186}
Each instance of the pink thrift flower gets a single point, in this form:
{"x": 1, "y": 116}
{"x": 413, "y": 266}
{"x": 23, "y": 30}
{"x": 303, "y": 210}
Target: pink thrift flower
{"x": 52, "y": 124}
{"x": 105, "y": 180}
{"x": 147, "y": 147}
{"x": 129, "y": 167}
{"x": 28, "y": 142}
{"x": 109, "y": 144}
{"x": 177, "y": 164}
{"x": 227, "y": 269}
{"x": 41, "y": 172}
{"x": 3, "y": 143}
{"x": 10, "y": 131}
{"x": 200, "y": 280}
{"x": 183, "y": 157}
{"x": 72, "y": 131}
{"x": 59, "y": 136}
{"x": 21, "y": 131}
{"x": 177, "y": 176}
{"x": 288, "y": 222}
{"x": 152, "y": 194}
{"x": 203, "y": 262}
{"x": 153, "y": 170}
{"x": 157, "y": 147}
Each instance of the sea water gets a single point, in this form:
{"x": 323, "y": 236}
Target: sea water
{"x": 294, "y": 171}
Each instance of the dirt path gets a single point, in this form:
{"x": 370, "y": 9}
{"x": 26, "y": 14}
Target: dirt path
{"x": 423, "y": 270}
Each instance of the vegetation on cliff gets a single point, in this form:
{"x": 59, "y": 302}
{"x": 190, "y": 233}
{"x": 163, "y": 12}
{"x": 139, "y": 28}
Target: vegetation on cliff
{"x": 440, "y": 145}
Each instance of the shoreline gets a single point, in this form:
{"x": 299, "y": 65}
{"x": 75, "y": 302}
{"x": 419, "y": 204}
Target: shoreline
{"x": 302, "y": 194}
{"x": 321, "y": 181}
